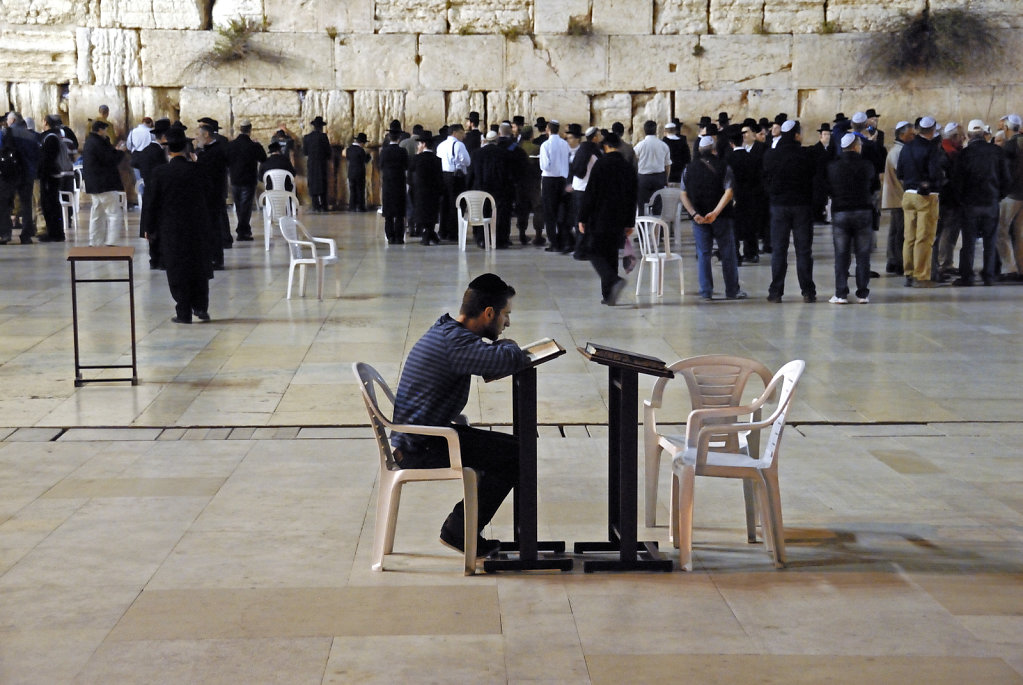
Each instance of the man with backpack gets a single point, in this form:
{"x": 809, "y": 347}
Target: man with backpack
{"x": 55, "y": 175}
{"x": 27, "y": 145}
{"x": 10, "y": 177}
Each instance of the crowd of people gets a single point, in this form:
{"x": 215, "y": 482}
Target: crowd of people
{"x": 750, "y": 188}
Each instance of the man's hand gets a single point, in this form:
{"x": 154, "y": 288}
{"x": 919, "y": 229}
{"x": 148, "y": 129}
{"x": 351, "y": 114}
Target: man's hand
{"x": 582, "y": 227}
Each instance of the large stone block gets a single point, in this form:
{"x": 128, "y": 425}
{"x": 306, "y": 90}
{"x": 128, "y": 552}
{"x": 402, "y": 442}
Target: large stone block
{"x": 680, "y": 16}
{"x": 32, "y": 53}
{"x": 736, "y": 16}
{"x": 554, "y": 62}
{"x": 35, "y": 100}
{"x": 552, "y": 16}
{"x": 607, "y": 108}
{"x": 401, "y": 16}
{"x": 196, "y": 103}
{"x": 300, "y": 61}
{"x": 461, "y": 102}
{"x": 989, "y": 103}
{"x": 906, "y": 103}
{"x": 373, "y": 110}
{"x": 1001, "y": 13}
{"x": 565, "y": 106}
{"x": 84, "y": 102}
{"x": 794, "y": 16}
{"x": 856, "y": 15}
{"x": 623, "y": 17}
{"x": 375, "y": 61}
{"x": 489, "y": 16}
{"x": 738, "y": 103}
{"x": 268, "y": 110}
{"x": 320, "y": 16}
{"x": 832, "y": 60}
{"x": 817, "y": 106}
{"x": 649, "y": 107}
{"x": 48, "y": 12}
{"x": 224, "y": 11}
{"x": 746, "y": 62}
{"x": 152, "y": 14}
{"x": 335, "y": 106}
{"x": 652, "y": 62}
{"x": 461, "y": 62}
{"x": 426, "y": 107}
{"x": 156, "y": 103}
{"x": 109, "y": 57}
{"x": 505, "y": 104}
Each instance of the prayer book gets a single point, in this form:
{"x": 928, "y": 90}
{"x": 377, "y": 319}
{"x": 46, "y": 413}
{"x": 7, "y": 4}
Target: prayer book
{"x": 603, "y": 353}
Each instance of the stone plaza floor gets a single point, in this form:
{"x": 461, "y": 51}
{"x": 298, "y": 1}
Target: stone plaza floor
{"x": 214, "y": 523}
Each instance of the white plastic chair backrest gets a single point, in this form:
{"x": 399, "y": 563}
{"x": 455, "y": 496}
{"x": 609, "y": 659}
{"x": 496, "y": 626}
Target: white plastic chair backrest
{"x": 289, "y": 229}
{"x": 650, "y": 230}
{"x": 369, "y": 378}
{"x": 280, "y": 203}
{"x": 474, "y": 203}
{"x": 79, "y": 182}
{"x": 783, "y": 382}
{"x": 715, "y": 380}
{"x": 278, "y": 179}
{"x": 671, "y": 202}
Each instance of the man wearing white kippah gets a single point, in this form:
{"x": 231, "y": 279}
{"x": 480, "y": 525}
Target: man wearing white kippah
{"x": 1010, "y": 214}
{"x": 891, "y": 198}
{"x": 850, "y": 182}
{"x": 920, "y": 169}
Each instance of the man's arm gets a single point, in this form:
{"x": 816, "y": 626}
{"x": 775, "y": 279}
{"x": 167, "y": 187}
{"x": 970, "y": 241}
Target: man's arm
{"x": 470, "y": 354}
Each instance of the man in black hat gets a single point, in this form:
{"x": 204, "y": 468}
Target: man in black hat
{"x": 678, "y": 148}
{"x": 177, "y": 210}
{"x": 491, "y": 171}
{"x": 55, "y": 174}
{"x": 358, "y": 160}
{"x": 518, "y": 122}
{"x": 277, "y": 158}
{"x": 221, "y": 143}
{"x": 473, "y": 135}
{"x": 426, "y": 186}
{"x": 823, "y": 153}
{"x": 145, "y": 160}
{"x": 873, "y": 126}
{"x": 243, "y": 158}
{"x": 211, "y": 158}
{"x": 316, "y": 147}
{"x": 540, "y": 132}
{"x": 394, "y": 164}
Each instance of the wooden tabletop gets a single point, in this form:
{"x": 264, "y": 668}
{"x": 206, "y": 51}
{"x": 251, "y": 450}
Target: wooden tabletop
{"x": 98, "y": 253}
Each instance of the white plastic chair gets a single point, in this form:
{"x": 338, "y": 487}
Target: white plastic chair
{"x": 276, "y": 204}
{"x": 140, "y": 189}
{"x": 392, "y": 477}
{"x": 299, "y": 240}
{"x": 279, "y": 179}
{"x": 671, "y": 211}
{"x": 69, "y": 212}
{"x": 470, "y": 206}
{"x": 78, "y": 188}
{"x": 655, "y": 249}
{"x": 713, "y": 380}
{"x": 762, "y": 471}
{"x": 122, "y": 202}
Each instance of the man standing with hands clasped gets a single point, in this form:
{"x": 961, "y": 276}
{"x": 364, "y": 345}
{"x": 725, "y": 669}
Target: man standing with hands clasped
{"x": 434, "y": 388}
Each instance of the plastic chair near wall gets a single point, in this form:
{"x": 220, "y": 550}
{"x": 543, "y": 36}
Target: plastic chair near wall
{"x": 279, "y": 179}
{"x": 140, "y": 189}
{"x": 761, "y": 470}
{"x": 69, "y": 213}
{"x": 276, "y": 204}
{"x": 299, "y": 241}
{"x": 713, "y": 380}
{"x": 655, "y": 250}
{"x": 671, "y": 211}
{"x": 122, "y": 202}
{"x": 470, "y": 206}
{"x": 392, "y": 477}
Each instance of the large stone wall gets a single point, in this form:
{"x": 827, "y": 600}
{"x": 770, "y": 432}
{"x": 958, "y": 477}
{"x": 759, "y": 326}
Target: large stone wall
{"x": 361, "y": 63}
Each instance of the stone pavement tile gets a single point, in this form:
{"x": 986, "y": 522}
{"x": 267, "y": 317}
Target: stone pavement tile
{"x": 988, "y": 594}
{"x": 452, "y": 658}
{"x": 46, "y": 656}
{"x": 33, "y": 435}
{"x": 110, "y": 434}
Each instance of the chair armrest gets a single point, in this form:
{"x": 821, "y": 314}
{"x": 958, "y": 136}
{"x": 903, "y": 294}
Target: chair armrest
{"x": 449, "y": 434}
{"x": 330, "y": 243}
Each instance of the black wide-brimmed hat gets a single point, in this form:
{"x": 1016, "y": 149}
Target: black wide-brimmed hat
{"x": 318, "y": 122}
{"x": 575, "y": 130}
{"x": 871, "y": 113}
{"x": 361, "y": 138}
{"x": 824, "y": 127}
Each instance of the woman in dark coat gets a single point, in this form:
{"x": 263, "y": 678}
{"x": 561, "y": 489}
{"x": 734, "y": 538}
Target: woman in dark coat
{"x": 427, "y": 181}
{"x": 393, "y": 166}
{"x": 316, "y": 147}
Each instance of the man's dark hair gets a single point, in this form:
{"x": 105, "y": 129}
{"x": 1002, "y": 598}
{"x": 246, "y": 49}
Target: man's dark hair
{"x": 394, "y": 136}
{"x": 485, "y": 291}
{"x": 618, "y": 128}
{"x": 612, "y": 141}
{"x": 553, "y": 127}
{"x": 455, "y": 128}
{"x": 649, "y": 128}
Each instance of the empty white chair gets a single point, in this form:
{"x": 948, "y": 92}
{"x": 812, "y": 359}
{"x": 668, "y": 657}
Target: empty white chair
{"x": 140, "y": 189}
{"x": 122, "y": 202}
{"x": 671, "y": 211}
{"x": 470, "y": 205}
{"x": 276, "y": 204}
{"x": 713, "y": 380}
{"x": 69, "y": 212}
{"x": 299, "y": 241}
{"x": 279, "y": 179}
{"x": 654, "y": 237}
{"x": 761, "y": 470}
{"x": 392, "y": 477}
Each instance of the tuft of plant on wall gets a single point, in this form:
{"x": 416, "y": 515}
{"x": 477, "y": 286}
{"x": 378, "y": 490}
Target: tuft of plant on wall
{"x": 950, "y": 41}
{"x": 234, "y": 44}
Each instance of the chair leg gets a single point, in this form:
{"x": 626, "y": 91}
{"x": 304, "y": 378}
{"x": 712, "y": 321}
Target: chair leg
{"x": 337, "y": 279}
{"x": 673, "y": 526}
{"x": 291, "y": 278}
{"x": 383, "y": 530}
{"x": 751, "y": 510}
{"x": 301, "y": 280}
{"x": 639, "y": 275}
{"x": 463, "y": 229}
{"x": 681, "y": 279}
{"x": 319, "y": 279}
{"x": 653, "y": 464}
{"x": 267, "y": 230}
{"x": 773, "y": 496}
{"x": 471, "y": 508}
{"x": 687, "y": 482}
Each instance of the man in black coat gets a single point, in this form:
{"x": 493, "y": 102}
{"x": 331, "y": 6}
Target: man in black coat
{"x": 103, "y": 182}
{"x": 177, "y": 208}
{"x": 277, "y": 158}
{"x": 608, "y": 214}
{"x": 243, "y": 158}
{"x": 426, "y": 185}
{"x": 55, "y": 175}
{"x": 211, "y": 156}
{"x": 358, "y": 160}
{"x": 316, "y": 147}
{"x": 679, "y": 149}
{"x": 789, "y": 172}
{"x": 145, "y": 160}
{"x": 491, "y": 172}
{"x": 746, "y": 169}
{"x": 394, "y": 164}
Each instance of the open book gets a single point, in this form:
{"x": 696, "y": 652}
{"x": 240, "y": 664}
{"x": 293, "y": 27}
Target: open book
{"x": 598, "y": 352}
{"x": 542, "y": 349}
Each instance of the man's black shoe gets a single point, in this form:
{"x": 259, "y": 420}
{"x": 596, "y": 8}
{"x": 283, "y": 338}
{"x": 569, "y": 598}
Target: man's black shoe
{"x": 961, "y": 283}
{"x": 26, "y": 240}
{"x": 245, "y": 237}
{"x": 616, "y": 291}
{"x": 809, "y": 299}
{"x": 539, "y": 240}
{"x": 177, "y": 320}
{"x": 201, "y": 315}
{"x": 523, "y": 238}
{"x": 481, "y": 244}
{"x": 776, "y": 299}
{"x": 550, "y": 248}
{"x": 909, "y": 282}
{"x": 484, "y": 547}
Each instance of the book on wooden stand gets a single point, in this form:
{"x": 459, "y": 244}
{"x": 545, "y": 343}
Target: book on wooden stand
{"x": 603, "y": 354}
{"x": 539, "y": 352}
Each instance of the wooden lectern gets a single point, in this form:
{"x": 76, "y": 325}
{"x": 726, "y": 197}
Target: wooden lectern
{"x": 623, "y": 370}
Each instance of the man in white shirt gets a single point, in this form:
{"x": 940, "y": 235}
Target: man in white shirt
{"x": 553, "y": 182}
{"x": 139, "y": 138}
{"x": 653, "y": 158}
{"x": 454, "y": 162}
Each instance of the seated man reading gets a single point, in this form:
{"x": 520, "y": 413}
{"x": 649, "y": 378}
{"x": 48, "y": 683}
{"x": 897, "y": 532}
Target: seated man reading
{"x": 434, "y": 388}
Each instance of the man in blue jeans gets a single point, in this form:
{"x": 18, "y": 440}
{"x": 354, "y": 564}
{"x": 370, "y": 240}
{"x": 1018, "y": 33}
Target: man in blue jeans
{"x": 707, "y": 195}
{"x": 789, "y": 171}
{"x": 850, "y": 181}
{"x": 434, "y": 388}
